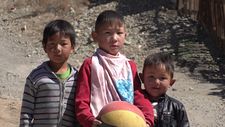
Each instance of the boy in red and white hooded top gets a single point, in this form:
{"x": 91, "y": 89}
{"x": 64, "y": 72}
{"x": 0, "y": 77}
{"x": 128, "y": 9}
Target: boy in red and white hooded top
{"x": 108, "y": 75}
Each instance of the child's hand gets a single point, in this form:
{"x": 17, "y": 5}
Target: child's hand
{"x": 96, "y": 122}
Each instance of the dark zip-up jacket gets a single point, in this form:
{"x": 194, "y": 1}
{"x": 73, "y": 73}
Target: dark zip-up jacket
{"x": 170, "y": 113}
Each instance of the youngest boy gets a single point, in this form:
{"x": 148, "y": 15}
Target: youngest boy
{"x": 157, "y": 76}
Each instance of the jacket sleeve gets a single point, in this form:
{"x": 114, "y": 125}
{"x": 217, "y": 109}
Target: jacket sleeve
{"x": 182, "y": 117}
{"x": 82, "y": 95}
{"x": 27, "y": 108}
{"x": 139, "y": 99}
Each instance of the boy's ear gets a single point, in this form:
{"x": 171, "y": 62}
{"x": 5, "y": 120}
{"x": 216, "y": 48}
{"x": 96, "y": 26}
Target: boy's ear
{"x": 72, "y": 50}
{"x": 172, "y": 82}
{"x": 126, "y": 34}
{"x": 44, "y": 48}
{"x": 94, "y": 36}
{"x": 141, "y": 77}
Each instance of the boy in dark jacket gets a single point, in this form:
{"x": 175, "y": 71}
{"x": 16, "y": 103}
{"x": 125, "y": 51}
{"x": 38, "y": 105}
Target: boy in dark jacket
{"x": 157, "y": 77}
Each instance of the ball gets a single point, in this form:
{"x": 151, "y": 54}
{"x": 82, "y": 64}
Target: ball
{"x": 122, "y": 114}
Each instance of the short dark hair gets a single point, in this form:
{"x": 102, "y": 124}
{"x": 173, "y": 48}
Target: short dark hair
{"x": 159, "y": 59}
{"x": 59, "y": 25}
{"x": 109, "y": 16}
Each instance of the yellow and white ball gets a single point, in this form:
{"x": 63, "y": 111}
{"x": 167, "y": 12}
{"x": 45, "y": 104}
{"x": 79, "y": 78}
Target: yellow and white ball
{"x": 122, "y": 114}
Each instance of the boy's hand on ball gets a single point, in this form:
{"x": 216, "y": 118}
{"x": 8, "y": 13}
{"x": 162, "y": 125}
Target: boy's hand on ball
{"x": 96, "y": 122}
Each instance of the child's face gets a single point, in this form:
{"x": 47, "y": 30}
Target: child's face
{"x": 156, "y": 80}
{"x": 58, "y": 48}
{"x": 110, "y": 38}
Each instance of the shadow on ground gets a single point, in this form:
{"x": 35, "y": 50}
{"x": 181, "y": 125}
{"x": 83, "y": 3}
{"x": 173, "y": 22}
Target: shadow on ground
{"x": 193, "y": 48}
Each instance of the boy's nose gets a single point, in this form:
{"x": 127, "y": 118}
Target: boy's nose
{"x": 57, "y": 48}
{"x": 114, "y": 37}
{"x": 157, "y": 82}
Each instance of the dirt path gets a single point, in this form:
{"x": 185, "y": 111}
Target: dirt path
{"x": 204, "y": 109}
{"x": 9, "y": 112}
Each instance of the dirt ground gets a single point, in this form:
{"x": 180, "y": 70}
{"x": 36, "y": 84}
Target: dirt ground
{"x": 199, "y": 74}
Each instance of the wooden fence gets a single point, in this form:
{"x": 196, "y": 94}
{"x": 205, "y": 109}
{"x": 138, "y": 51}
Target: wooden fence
{"x": 209, "y": 13}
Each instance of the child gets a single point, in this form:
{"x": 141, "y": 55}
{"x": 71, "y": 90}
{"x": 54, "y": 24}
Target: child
{"x": 108, "y": 75}
{"x": 157, "y": 77}
{"x": 48, "y": 99}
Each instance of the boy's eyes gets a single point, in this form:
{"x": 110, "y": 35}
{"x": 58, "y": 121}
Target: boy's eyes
{"x": 109, "y": 33}
{"x": 63, "y": 43}
{"x": 120, "y": 33}
{"x": 51, "y": 43}
{"x": 162, "y": 78}
{"x": 151, "y": 78}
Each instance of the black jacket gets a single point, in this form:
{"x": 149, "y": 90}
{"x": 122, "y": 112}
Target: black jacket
{"x": 170, "y": 113}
